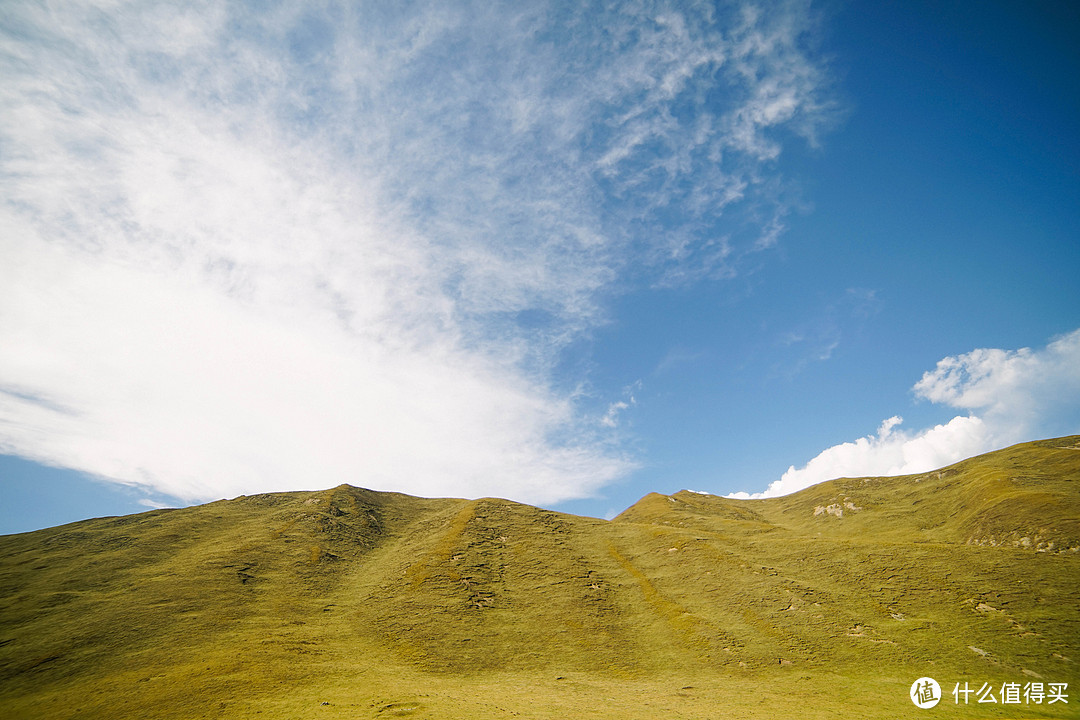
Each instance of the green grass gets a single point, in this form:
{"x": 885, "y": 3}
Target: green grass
{"x": 686, "y": 606}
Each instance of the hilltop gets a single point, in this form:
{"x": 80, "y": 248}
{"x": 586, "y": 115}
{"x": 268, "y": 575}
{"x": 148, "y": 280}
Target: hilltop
{"x": 349, "y": 603}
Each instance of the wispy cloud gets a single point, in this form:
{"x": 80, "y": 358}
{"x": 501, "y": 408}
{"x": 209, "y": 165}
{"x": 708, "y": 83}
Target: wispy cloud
{"x": 324, "y": 243}
{"x": 611, "y": 418}
{"x": 817, "y": 338}
{"x": 1012, "y": 396}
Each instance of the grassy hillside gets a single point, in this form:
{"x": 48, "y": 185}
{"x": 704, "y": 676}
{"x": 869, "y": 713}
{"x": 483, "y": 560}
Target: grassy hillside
{"x": 349, "y": 603}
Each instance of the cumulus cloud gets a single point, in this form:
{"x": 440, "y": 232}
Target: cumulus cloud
{"x": 1012, "y": 396}
{"x": 1018, "y": 391}
{"x": 347, "y": 243}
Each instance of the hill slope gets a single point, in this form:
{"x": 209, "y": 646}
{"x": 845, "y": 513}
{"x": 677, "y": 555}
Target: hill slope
{"x": 350, "y": 603}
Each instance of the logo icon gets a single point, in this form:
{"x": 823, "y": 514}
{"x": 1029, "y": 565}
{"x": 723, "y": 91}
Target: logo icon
{"x": 925, "y": 692}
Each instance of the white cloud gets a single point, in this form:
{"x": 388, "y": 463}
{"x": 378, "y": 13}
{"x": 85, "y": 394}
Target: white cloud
{"x": 611, "y": 417}
{"x": 1018, "y": 391}
{"x": 1013, "y": 395}
{"x": 246, "y": 252}
{"x": 163, "y": 381}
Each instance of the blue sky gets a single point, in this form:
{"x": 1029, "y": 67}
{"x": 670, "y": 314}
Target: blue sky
{"x": 564, "y": 253}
